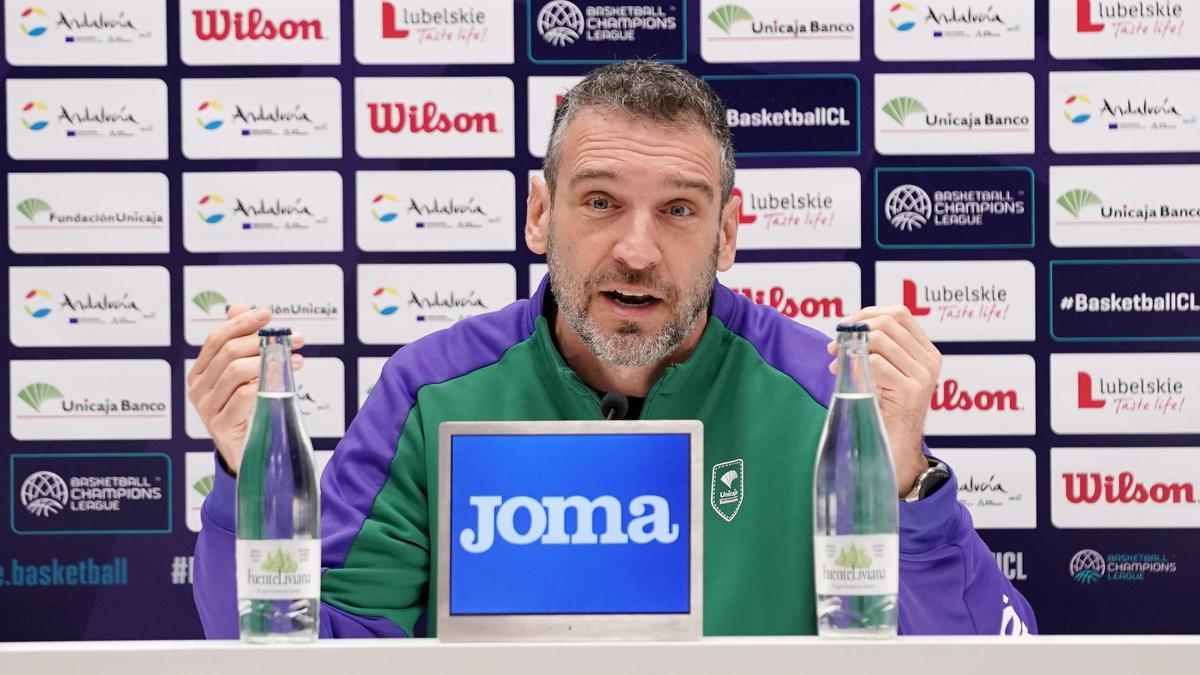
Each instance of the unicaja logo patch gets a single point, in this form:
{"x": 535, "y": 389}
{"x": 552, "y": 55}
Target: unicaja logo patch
{"x": 901, "y": 107}
{"x": 381, "y": 294}
{"x": 560, "y": 23}
{"x": 204, "y": 485}
{"x": 210, "y": 209}
{"x": 37, "y": 393}
{"x": 1074, "y": 201}
{"x": 36, "y": 301}
{"x": 380, "y": 208}
{"x": 726, "y": 16}
{"x": 1087, "y": 567}
{"x": 44, "y": 493}
{"x": 208, "y": 115}
{"x": 908, "y": 208}
{"x": 1077, "y": 108}
{"x": 31, "y": 115}
{"x": 206, "y": 300}
{"x": 902, "y": 16}
{"x": 35, "y": 16}
{"x": 31, "y": 207}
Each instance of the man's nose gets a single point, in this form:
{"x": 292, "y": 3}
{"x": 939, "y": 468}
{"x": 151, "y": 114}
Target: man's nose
{"x": 636, "y": 246}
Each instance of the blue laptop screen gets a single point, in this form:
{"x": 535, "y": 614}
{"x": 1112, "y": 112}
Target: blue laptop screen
{"x": 569, "y": 524}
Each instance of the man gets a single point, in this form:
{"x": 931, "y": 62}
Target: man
{"x": 636, "y": 217}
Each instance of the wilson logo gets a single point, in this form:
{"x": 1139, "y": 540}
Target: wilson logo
{"x": 790, "y": 307}
{"x": 1092, "y": 488}
{"x": 395, "y": 118}
{"x": 650, "y": 521}
{"x": 952, "y": 397}
{"x": 221, "y": 25}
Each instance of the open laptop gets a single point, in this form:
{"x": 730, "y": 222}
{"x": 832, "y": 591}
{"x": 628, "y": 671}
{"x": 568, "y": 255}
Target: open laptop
{"x": 570, "y": 530}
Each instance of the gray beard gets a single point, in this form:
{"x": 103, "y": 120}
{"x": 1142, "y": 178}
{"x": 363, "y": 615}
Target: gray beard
{"x": 629, "y": 346}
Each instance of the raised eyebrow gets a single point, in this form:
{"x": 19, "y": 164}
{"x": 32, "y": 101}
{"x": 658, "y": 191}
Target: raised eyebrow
{"x": 693, "y": 185}
{"x": 592, "y": 174}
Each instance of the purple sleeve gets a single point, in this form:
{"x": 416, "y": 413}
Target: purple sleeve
{"x": 214, "y": 584}
{"x": 949, "y": 581}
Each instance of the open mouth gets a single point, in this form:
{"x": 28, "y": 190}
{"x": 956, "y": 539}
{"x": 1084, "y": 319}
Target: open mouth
{"x": 630, "y": 299}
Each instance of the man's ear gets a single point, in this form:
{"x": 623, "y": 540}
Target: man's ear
{"x": 729, "y": 230}
{"x": 537, "y": 215}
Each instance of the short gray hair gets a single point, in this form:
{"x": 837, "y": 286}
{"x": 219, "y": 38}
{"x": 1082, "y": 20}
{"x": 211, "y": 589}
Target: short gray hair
{"x": 649, "y": 90}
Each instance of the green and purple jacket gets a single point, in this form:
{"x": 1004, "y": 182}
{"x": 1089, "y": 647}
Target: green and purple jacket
{"x": 757, "y": 380}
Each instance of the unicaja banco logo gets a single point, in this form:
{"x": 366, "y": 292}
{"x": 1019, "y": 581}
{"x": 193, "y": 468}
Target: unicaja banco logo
{"x": 204, "y": 485}
{"x": 908, "y": 208}
{"x": 206, "y": 300}
{"x": 35, "y": 16}
{"x": 1074, "y": 201}
{"x": 901, "y": 107}
{"x": 726, "y": 16}
{"x": 380, "y": 208}
{"x": 35, "y": 110}
{"x": 1077, "y": 108}
{"x": 210, "y": 209}
{"x": 209, "y": 115}
{"x": 1087, "y": 566}
{"x": 31, "y": 207}
{"x": 853, "y": 557}
{"x": 903, "y": 16}
{"x": 38, "y": 393}
{"x": 44, "y": 493}
{"x": 560, "y": 23}
{"x": 37, "y": 303}
{"x": 381, "y": 294}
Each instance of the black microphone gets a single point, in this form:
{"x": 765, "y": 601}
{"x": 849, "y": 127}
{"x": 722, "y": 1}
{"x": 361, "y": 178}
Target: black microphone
{"x": 614, "y": 406}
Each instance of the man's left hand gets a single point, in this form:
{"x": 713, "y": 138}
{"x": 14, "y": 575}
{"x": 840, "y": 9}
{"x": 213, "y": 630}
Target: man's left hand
{"x": 905, "y": 367}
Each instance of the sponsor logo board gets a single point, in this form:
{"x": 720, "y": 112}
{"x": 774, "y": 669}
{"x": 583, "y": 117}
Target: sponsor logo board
{"x": 757, "y": 31}
{"x": 968, "y": 207}
{"x": 1124, "y": 300}
{"x": 974, "y": 301}
{"x": 398, "y": 304}
{"x": 223, "y": 32}
{"x": 799, "y": 208}
{"x": 88, "y": 213}
{"x": 954, "y": 114}
{"x": 86, "y": 33}
{"x": 537, "y": 272}
{"x": 1124, "y": 393}
{"x": 984, "y": 396}
{"x": 997, "y": 485}
{"x": 1123, "y": 29}
{"x": 545, "y": 94}
{"x": 436, "y": 210}
{"x": 307, "y": 298}
{"x": 369, "y": 370}
{"x": 954, "y": 30}
{"x": 818, "y": 295}
{"x": 199, "y": 474}
{"x": 84, "y": 400}
{"x": 262, "y": 211}
{"x": 90, "y": 493}
{"x": 432, "y": 32}
{"x": 1134, "y": 488}
{"x": 780, "y": 115}
{"x": 1124, "y": 111}
{"x": 88, "y": 306}
{"x": 1125, "y": 205}
{"x": 266, "y": 117}
{"x": 320, "y": 387}
{"x": 604, "y": 31}
{"x": 87, "y": 119}
{"x": 434, "y": 117}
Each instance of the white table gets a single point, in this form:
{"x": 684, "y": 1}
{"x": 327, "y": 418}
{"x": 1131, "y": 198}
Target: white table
{"x": 1065, "y": 655}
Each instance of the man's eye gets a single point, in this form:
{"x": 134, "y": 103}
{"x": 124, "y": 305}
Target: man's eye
{"x": 679, "y": 210}
{"x": 599, "y": 203}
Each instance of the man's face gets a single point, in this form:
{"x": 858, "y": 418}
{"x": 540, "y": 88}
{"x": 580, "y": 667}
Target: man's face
{"x": 634, "y": 237}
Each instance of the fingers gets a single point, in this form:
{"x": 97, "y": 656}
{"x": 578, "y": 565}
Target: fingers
{"x": 234, "y": 349}
{"x": 892, "y": 336}
{"x": 901, "y": 316}
{"x": 242, "y": 321}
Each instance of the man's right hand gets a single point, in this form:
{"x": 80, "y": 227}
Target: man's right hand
{"x": 223, "y": 383}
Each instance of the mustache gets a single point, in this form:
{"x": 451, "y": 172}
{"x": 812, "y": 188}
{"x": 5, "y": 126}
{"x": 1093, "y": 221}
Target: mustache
{"x": 627, "y": 275}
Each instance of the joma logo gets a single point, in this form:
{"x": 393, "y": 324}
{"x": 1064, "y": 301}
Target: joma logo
{"x": 650, "y": 521}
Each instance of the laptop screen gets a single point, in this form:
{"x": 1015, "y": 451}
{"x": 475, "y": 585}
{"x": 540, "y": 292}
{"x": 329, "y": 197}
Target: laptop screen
{"x": 558, "y": 524}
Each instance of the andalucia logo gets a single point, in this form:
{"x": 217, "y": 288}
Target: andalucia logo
{"x": 1075, "y": 201}
{"x": 727, "y": 15}
{"x": 854, "y": 558}
{"x": 206, "y": 300}
{"x": 901, "y": 107}
{"x": 280, "y": 562}
{"x": 38, "y": 393}
{"x": 30, "y": 208}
